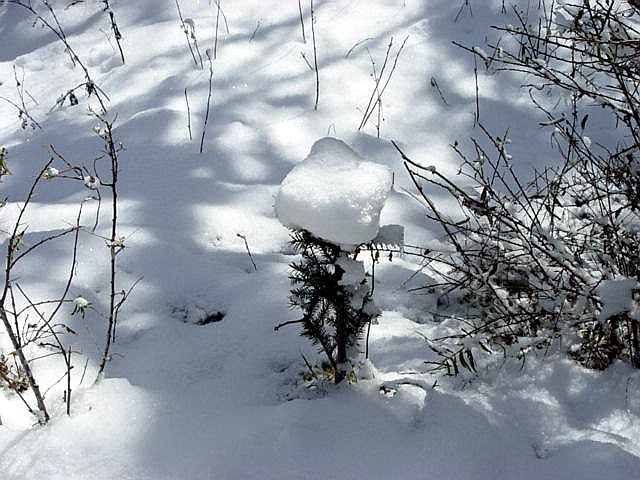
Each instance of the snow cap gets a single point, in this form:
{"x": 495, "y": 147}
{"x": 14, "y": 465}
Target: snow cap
{"x": 334, "y": 194}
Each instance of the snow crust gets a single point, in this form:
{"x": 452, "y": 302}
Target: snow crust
{"x": 334, "y": 194}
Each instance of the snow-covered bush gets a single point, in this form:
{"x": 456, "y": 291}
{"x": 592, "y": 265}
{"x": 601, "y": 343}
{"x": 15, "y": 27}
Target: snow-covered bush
{"x": 332, "y": 202}
{"x": 557, "y": 258}
{"x": 33, "y": 325}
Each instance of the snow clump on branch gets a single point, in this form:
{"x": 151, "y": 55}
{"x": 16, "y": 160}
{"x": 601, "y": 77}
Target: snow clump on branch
{"x": 334, "y": 194}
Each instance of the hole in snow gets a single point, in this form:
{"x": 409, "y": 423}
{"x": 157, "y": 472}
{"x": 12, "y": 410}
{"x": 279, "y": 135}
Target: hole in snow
{"x": 212, "y": 318}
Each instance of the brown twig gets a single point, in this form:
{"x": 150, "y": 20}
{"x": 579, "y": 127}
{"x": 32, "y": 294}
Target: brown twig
{"x": 114, "y": 27}
{"x": 315, "y": 56}
{"x": 206, "y": 115}
{"x": 188, "y": 29}
{"x": 246, "y": 245}
{"x": 186, "y": 99}
{"x": 304, "y": 36}
{"x": 91, "y": 87}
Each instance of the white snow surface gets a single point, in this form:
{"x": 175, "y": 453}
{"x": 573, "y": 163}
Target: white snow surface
{"x": 617, "y": 297}
{"x": 227, "y": 400}
{"x": 334, "y": 194}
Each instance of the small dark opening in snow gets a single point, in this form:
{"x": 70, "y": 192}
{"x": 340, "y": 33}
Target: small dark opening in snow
{"x": 212, "y": 318}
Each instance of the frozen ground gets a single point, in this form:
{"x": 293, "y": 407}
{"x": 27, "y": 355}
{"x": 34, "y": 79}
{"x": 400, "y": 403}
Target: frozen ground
{"x": 225, "y": 400}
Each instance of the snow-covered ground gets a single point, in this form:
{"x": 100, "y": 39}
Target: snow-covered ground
{"x": 226, "y": 400}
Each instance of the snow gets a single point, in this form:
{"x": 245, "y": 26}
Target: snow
{"x": 334, "y": 194}
{"x": 353, "y": 270}
{"x": 617, "y": 297}
{"x": 390, "y": 235}
{"x": 81, "y": 302}
{"x": 227, "y": 400}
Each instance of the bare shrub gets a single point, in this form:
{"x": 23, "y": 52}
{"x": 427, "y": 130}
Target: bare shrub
{"x": 555, "y": 259}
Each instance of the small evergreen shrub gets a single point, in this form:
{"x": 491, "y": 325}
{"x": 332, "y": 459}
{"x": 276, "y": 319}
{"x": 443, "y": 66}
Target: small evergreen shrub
{"x": 332, "y": 290}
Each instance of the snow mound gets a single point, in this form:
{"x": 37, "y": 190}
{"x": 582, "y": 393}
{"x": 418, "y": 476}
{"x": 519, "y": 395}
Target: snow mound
{"x": 334, "y": 194}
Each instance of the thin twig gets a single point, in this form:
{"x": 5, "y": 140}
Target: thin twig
{"x": 206, "y": 115}
{"x": 284, "y": 324}
{"x": 114, "y": 243}
{"x": 186, "y": 99}
{"x": 475, "y": 76}
{"x": 435, "y": 85}
{"x": 356, "y": 45}
{"x": 13, "y": 244}
{"x": 306, "y": 60}
{"x": 114, "y": 27}
{"x": 304, "y": 37}
{"x": 186, "y": 29}
{"x": 376, "y": 95}
{"x": 246, "y": 244}
{"x": 315, "y": 56}
{"x": 253, "y": 35}
{"x": 465, "y": 3}
{"x": 215, "y": 43}
{"x": 90, "y": 86}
